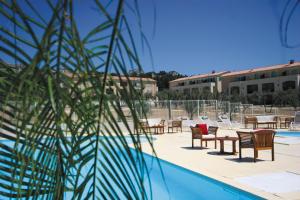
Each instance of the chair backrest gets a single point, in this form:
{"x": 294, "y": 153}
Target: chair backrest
{"x": 297, "y": 117}
{"x": 264, "y": 138}
{"x": 142, "y": 124}
{"x": 176, "y": 123}
{"x": 245, "y": 139}
{"x": 213, "y": 130}
{"x": 250, "y": 119}
{"x": 266, "y": 118}
{"x": 195, "y": 131}
{"x": 154, "y": 121}
{"x": 257, "y": 139}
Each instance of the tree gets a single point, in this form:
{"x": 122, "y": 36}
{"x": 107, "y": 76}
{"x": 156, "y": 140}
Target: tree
{"x": 190, "y": 107}
{"x": 62, "y": 135}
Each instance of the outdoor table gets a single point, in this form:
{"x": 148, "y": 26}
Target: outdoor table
{"x": 158, "y": 129}
{"x": 227, "y": 138}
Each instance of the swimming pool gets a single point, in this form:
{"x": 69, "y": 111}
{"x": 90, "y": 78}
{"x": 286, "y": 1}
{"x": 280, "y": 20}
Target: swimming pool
{"x": 288, "y": 133}
{"x": 178, "y": 183}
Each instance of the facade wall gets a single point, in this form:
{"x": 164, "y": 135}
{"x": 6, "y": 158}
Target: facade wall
{"x": 278, "y": 84}
{"x": 210, "y": 83}
{"x": 149, "y": 86}
{"x": 268, "y": 83}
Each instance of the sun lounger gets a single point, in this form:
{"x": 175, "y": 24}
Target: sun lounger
{"x": 206, "y": 120}
{"x": 295, "y": 125}
{"x": 226, "y": 123}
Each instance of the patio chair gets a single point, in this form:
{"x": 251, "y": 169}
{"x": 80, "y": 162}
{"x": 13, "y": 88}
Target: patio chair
{"x": 157, "y": 124}
{"x": 258, "y": 140}
{"x": 285, "y": 121}
{"x": 250, "y": 120}
{"x": 296, "y": 123}
{"x": 269, "y": 120}
{"x": 175, "y": 124}
{"x": 143, "y": 126}
{"x": 211, "y": 136}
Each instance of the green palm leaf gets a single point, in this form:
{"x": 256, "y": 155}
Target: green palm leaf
{"x": 64, "y": 137}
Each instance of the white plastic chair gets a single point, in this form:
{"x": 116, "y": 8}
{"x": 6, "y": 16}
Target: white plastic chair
{"x": 226, "y": 123}
{"x": 295, "y": 125}
{"x": 209, "y": 122}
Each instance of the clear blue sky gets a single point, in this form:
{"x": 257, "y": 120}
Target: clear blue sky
{"x": 198, "y": 36}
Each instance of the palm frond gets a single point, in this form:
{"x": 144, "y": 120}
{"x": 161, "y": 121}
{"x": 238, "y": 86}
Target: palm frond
{"x": 64, "y": 136}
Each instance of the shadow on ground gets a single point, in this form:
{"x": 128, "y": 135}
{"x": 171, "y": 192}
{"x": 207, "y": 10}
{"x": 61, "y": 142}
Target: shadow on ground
{"x": 244, "y": 160}
{"x": 194, "y": 148}
{"x": 217, "y": 153}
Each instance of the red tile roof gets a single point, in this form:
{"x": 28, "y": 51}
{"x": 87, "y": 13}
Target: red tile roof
{"x": 70, "y": 74}
{"x": 262, "y": 69}
{"x": 200, "y": 76}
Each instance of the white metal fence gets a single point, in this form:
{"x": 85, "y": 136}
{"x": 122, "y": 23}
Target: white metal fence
{"x": 191, "y": 109}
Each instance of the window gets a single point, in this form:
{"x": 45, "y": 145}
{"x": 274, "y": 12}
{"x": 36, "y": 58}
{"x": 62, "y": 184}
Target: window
{"x": 109, "y": 91}
{"x": 274, "y": 74}
{"x": 267, "y": 99}
{"x": 192, "y": 82}
{"x": 110, "y": 83}
{"x": 186, "y": 91}
{"x": 243, "y": 78}
{"x": 284, "y": 73}
{"x": 124, "y": 83}
{"x": 268, "y": 87}
{"x": 206, "y": 89}
{"x": 287, "y": 85}
{"x": 181, "y": 84}
{"x": 235, "y": 90}
{"x": 195, "y": 90}
{"x": 252, "y": 88}
{"x": 253, "y": 99}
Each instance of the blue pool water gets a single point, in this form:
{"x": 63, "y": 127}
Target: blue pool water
{"x": 178, "y": 183}
{"x": 288, "y": 134}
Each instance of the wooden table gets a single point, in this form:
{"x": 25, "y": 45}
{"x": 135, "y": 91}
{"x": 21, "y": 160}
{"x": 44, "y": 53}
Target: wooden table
{"x": 158, "y": 129}
{"x": 222, "y": 139}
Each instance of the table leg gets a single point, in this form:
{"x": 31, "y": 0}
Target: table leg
{"x": 233, "y": 147}
{"x": 222, "y": 146}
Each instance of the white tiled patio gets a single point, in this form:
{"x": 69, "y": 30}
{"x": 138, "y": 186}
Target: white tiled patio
{"x": 279, "y": 179}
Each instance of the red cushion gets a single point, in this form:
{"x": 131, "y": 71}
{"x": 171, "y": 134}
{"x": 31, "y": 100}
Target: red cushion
{"x": 203, "y": 128}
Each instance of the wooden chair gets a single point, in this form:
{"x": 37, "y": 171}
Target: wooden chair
{"x": 211, "y": 136}
{"x": 284, "y": 121}
{"x": 143, "y": 126}
{"x": 250, "y": 120}
{"x": 175, "y": 124}
{"x": 258, "y": 140}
